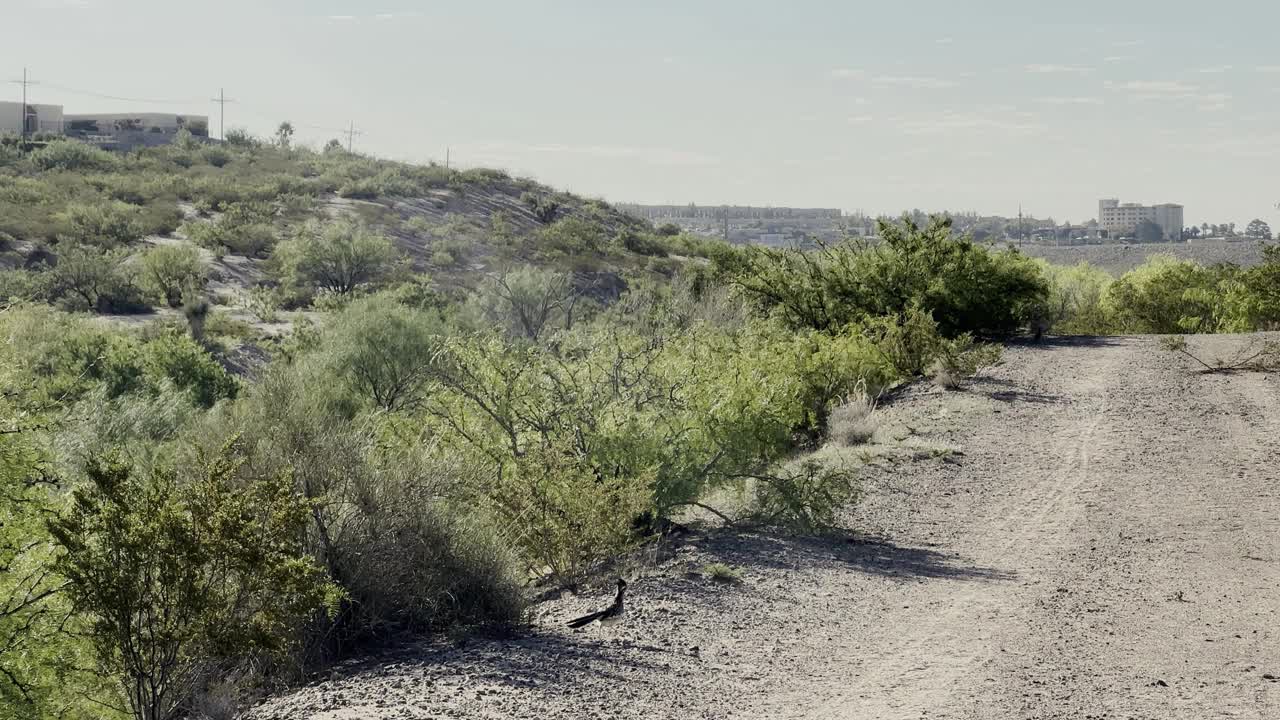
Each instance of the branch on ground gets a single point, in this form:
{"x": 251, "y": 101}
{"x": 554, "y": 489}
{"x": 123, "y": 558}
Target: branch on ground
{"x": 1257, "y": 355}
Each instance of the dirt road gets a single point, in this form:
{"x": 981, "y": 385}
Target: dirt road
{"x": 1091, "y": 530}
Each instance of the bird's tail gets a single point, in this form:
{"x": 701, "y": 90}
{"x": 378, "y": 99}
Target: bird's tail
{"x": 585, "y": 619}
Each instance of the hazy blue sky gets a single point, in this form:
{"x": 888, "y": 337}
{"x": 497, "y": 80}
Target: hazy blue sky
{"x": 876, "y": 106}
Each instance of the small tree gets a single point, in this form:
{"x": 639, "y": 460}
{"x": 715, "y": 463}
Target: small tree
{"x": 338, "y": 256}
{"x": 86, "y": 278}
{"x": 284, "y": 134}
{"x": 1258, "y": 229}
{"x": 181, "y": 579}
{"x": 529, "y": 301}
{"x": 169, "y": 272}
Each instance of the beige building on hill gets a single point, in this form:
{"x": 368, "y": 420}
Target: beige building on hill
{"x": 38, "y": 118}
{"x": 1123, "y": 219}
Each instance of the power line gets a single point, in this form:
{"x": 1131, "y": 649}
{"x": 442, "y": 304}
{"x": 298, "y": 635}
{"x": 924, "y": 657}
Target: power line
{"x": 24, "y": 82}
{"x": 222, "y": 112}
{"x": 121, "y": 98}
{"x": 351, "y": 133}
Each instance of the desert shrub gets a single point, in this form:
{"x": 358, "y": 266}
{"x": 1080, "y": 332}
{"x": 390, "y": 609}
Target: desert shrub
{"x": 176, "y": 357}
{"x": 71, "y": 155}
{"x": 641, "y": 243}
{"x": 1165, "y": 295}
{"x": 338, "y": 257}
{"x": 400, "y": 529}
{"x": 805, "y": 495}
{"x": 215, "y": 156}
{"x": 442, "y": 258}
{"x": 107, "y": 225}
{"x": 20, "y": 285}
{"x": 546, "y": 209}
{"x": 963, "y": 286}
{"x": 961, "y": 359}
{"x": 171, "y": 272}
{"x": 668, "y": 230}
{"x": 88, "y": 278}
{"x": 909, "y": 342}
{"x": 1075, "y": 304}
{"x": 383, "y": 349}
{"x": 572, "y": 236}
{"x": 183, "y": 579}
{"x": 526, "y": 302}
{"x": 264, "y": 303}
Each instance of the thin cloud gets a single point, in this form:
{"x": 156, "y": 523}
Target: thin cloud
{"x": 847, "y": 73}
{"x": 945, "y": 41}
{"x": 1172, "y": 91}
{"x": 1153, "y": 87}
{"x": 1126, "y": 43}
{"x": 1051, "y": 68}
{"x": 912, "y": 81}
{"x": 1082, "y": 100}
{"x": 860, "y": 119}
{"x": 384, "y": 16}
{"x": 656, "y": 156}
{"x": 1216, "y": 69}
{"x": 1268, "y": 68}
{"x": 1117, "y": 58}
{"x": 953, "y": 121}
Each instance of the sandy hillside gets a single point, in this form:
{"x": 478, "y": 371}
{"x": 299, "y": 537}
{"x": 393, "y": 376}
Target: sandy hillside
{"x": 1091, "y": 530}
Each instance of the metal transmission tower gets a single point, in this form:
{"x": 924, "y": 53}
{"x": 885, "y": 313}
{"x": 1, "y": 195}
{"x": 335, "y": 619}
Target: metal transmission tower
{"x": 351, "y": 132}
{"x": 222, "y": 112}
{"x": 24, "y": 82}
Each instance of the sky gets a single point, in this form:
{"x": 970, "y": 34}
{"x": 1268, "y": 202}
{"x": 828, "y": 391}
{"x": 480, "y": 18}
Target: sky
{"x": 961, "y": 105}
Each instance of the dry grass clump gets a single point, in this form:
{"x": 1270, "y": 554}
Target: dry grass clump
{"x": 855, "y": 421}
{"x": 721, "y": 573}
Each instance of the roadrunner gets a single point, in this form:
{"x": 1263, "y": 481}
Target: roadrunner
{"x": 609, "y": 615}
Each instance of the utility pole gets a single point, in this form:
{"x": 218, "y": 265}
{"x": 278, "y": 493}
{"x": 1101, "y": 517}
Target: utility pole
{"x": 22, "y": 121}
{"x": 222, "y": 112}
{"x": 1021, "y": 233}
{"x": 447, "y": 150}
{"x": 351, "y": 133}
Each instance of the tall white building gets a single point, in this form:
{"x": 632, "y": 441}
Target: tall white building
{"x": 1123, "y": 219}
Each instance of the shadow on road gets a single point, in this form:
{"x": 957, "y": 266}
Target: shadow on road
{"x": 1008, "y": 392}
{"x": 861, "y": 553}
{"x": 1054, "y": 342}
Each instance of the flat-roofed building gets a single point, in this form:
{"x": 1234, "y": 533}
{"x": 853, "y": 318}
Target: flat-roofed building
{"x": 44, "y": 119}
{"x": 1123, "y": 218}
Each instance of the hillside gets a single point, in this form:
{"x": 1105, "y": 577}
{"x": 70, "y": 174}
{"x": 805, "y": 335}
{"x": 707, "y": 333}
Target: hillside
{"x": 237, "y": 204}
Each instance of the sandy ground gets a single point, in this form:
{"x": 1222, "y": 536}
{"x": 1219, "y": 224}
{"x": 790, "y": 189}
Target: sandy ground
{"x": 1091, "y": 530}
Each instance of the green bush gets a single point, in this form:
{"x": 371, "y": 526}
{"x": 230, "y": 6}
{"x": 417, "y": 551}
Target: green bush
{"x": 72, "y": 155}
{"x": 965, "y": 287}
{"x": 189, "y": 367}
{"x": 338, "y": 257}
{"x": 171, "y": 272}
{"x": 87, "y": 278}
{"x": 181, "y": 578}
{"x": 106, "y": 225}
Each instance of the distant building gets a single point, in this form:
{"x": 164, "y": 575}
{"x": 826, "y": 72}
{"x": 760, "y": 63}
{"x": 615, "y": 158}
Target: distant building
{"x": 126, "y": 131}
{"x": 120, "y": 131}
{"x": 36, "y": 118}
{"x": 1123, "y": 219}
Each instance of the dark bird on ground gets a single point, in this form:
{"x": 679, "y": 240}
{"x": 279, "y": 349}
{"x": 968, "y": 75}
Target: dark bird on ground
{"x": 609, "y": 615}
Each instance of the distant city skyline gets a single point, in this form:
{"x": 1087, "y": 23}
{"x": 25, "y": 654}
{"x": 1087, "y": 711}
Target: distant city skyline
{"x": 880, "y": 107}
